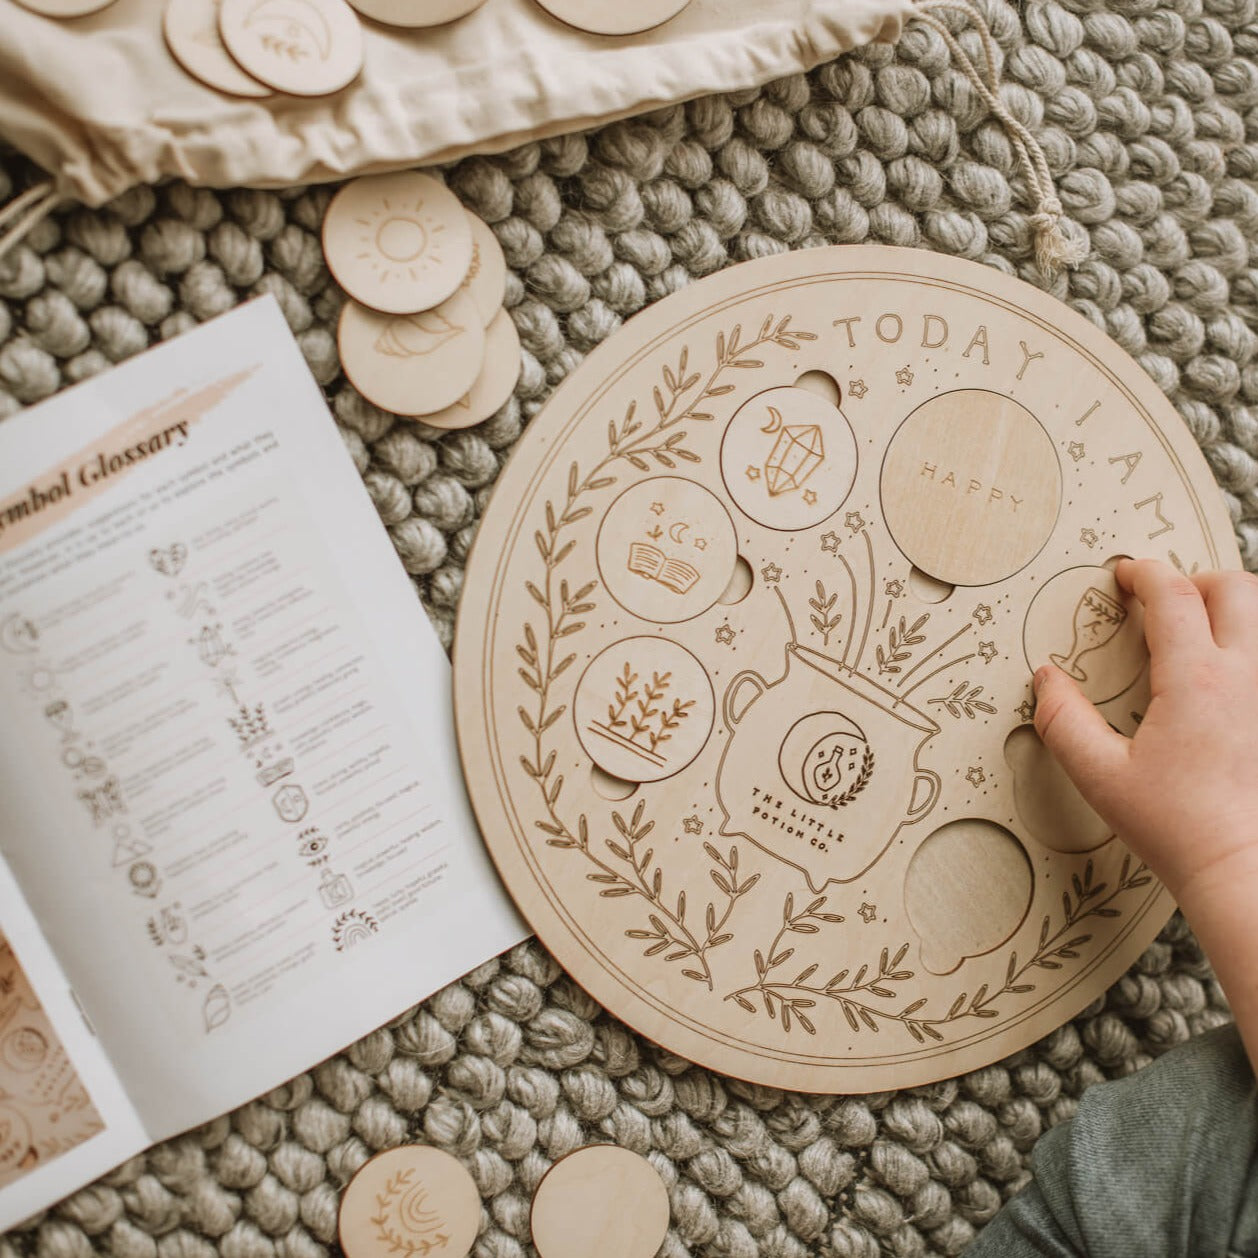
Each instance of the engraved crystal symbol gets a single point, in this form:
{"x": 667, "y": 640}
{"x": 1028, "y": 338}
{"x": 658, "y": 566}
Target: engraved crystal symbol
{"x": 797, "y": 453}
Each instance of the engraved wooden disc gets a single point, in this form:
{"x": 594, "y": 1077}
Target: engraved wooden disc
{"x": 302, "y": 47}
{"x": 191, "y": 30}
{"x": 416, "y": 13}
{"x": 603, "y": 17}
{"x": 414, "y": 1199}
{"x": 498, "y": 377}
{"x": 601, "y": 1200}
{"x": 865, "y": 491}
{"x": 397, "y": 243}
{"x": 413, "y": 363}
{"x": 65, "y": 8}
{"x": 486, "y": 279}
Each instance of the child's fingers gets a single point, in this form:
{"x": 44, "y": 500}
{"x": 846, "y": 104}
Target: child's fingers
{"x": 1073, "y": 729}
{"x": 1232, "y": 604}
{"x": 1175, "y": 619}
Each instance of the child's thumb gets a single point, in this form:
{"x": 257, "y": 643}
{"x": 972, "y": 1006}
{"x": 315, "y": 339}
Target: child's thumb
{"x": 1073, "y": 729}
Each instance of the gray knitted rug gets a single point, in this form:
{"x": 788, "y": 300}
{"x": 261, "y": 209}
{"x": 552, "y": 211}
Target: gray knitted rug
{"x": 1148, "y": 110}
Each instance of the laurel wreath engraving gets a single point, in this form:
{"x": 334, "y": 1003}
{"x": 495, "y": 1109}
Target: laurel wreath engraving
{"x": 789, "y": 1002}
{"x": 862, "y": 780}
{"x": 623, "y": 864}
{"x": 387, "y": 1235}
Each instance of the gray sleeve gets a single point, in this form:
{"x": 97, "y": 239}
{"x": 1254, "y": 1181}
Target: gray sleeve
{"x": 1157, "y": 1165}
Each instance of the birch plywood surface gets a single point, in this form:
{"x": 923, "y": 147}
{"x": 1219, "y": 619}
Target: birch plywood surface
{"x": 743, "y": 664}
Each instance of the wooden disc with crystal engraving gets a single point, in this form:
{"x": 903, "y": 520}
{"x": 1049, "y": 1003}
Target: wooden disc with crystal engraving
{"x": 744, "y": 657}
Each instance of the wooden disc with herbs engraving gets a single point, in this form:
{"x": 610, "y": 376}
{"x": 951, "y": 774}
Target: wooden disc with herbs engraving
{"x": 414, "y": 1200}
{"x": 744, "y": 657}
{"x": 301, "y": 47}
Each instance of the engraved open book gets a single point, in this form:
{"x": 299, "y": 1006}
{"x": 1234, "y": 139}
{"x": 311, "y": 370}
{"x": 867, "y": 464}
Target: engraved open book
{"x": 650, "y": 561}
{"x": 233, "y": 832}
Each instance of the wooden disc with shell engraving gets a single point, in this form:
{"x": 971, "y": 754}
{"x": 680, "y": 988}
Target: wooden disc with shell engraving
{"x": 414, "y": 1199}
{"x": 191, "y": 31}
{"x": 744, "y": 658}
{"x": 600, "y": 1200}
{"x": 498, "y": 377}
{"x": 302, "y": 47}
{"x": 412, "y": 363}
{"x": 397, "y": 243}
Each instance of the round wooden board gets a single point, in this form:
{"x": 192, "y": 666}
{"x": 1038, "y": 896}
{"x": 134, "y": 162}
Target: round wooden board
{"x": 836, "y": 857}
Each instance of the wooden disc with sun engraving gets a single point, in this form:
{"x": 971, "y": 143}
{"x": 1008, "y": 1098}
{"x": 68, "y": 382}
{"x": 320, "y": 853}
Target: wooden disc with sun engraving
{"x": 744, "y": 657}
{"x": 397, "y": 243}
{"x": 412, "y": 1200}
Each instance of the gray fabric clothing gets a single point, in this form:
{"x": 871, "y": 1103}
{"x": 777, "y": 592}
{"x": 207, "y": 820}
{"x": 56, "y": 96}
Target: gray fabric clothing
{"x": 1160, "y": 1164}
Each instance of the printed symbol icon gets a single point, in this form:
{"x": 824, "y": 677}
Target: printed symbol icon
{"x": 103, "y": 802}
{"x": 217, "y": 1007}
{"x": 61, "y": 715}
{"x": 211, "y": 648}
{"x": 644, "y": 709}
{"x": 144, "y": 879}
{"x": 250, "y": 725}
{"x": 290, "y": 802}
{"x": 334, "y": 889}
{"x": 127, "y": 849}
{"x": 18, "y": 635}
{"x": 788, "y": 458}
{"x": 413, "y": 336}
{"x": 826, "y": 759}
{"x": 1097, "y": 619}
{"x": 271, "y": 773}
{"x": 169, "y": 560}
{"x": 312, "y": 845}
{"x": 353, "y": 927}
{"x": 190, "y": 599}
{"x": 168, "y": 926}
{"x": 80, "y": 763}
{"x": 798, "y": 452}
{"x": 39, "y": 679}
{"x": 291, "y": 29}
{"x": 24, "y": 1049}
{"x": 189, "y": 967}
{"x": 666, "y": 549}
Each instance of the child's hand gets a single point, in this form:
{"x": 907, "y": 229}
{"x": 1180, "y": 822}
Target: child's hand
{"x": 1182, "y": 793}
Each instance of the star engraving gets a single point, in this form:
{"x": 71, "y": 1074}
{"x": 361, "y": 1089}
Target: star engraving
{"x": 1088, "y": 537}
{"x": 988, "y": 651}
{"x": 692, "y": 825}
{"x": 657, "y": 508}
{"x": 857, "y": 388}
{"x": 701, "y": 543}
{"x": 830, "y": 542}
{"x": 753, "y": 472}
{"x": 894, "y": 588}
{"x": 904, "y": 375}
{"x": 1076, "y": 450}
{"x": 975, "y": 776}
{"x": 983, "y": 614}
{"x": 771, "y": 573}
{"x": 725, "y": 634}
{"x": 1026, "y": 710}
{"x": 810, "y": 497}
{"x": 868, "y": 911}
{"x": 854, "y": 520}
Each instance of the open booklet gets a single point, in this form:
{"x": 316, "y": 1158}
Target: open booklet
{"x": 234, "y": 831}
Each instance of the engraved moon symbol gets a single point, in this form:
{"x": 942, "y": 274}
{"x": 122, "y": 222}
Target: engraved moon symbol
{"x": 414, "y": 1214}
{"x": 775, "y": 421}
{"x": 677, "y": 532}
{"x": 297, "y": 27}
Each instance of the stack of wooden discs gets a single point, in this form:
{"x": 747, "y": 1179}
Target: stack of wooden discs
{"x": 425, "y": 334}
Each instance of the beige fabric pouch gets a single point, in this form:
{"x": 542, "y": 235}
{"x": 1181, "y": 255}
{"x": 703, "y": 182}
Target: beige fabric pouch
{"x": 101, "y": 104}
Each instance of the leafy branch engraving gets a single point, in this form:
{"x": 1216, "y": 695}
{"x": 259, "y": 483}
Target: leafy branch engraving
{"x": 822, "y": 621}
{"x": 964, "y": 701}
{"x": 786, "y": 1000}
{"x": 901, "y": 638}
{"x": 390, "y": 1237}
{"x": 624, "y": 865}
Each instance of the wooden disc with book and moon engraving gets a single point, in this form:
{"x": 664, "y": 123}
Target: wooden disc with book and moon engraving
{"x": 744, "y": 658}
